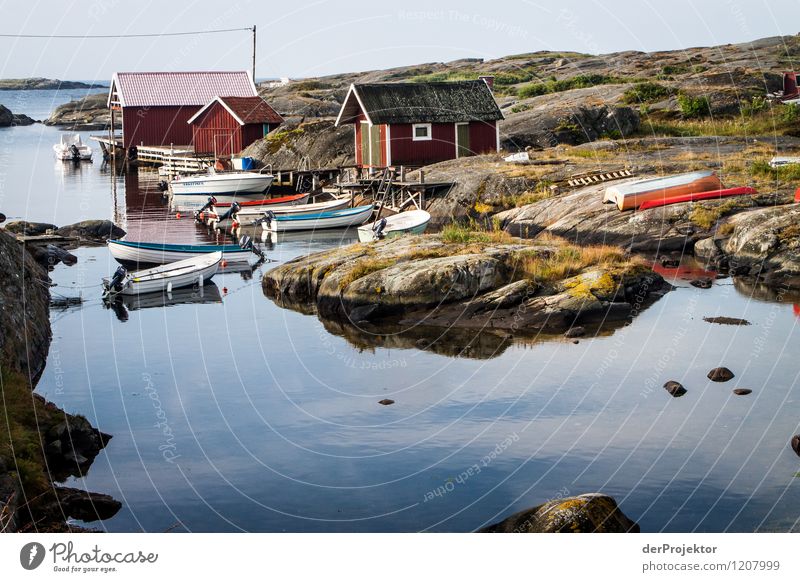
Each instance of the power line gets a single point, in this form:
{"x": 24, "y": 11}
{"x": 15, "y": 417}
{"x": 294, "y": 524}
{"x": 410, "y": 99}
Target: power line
{"x": 149, "y": 35}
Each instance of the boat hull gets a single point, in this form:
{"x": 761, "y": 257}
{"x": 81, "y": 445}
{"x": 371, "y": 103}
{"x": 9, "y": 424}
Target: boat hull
{"x": 177, "y": 275}
{"x": 712, "y": 195}
{"x": 252, "y": 214}
{"x": 412, "y": 222}
{"x": 223, "y": 185}
{"x": 333, "y": 219}
{"x": 632, "y": 195}
{"x": 154, "y": 254}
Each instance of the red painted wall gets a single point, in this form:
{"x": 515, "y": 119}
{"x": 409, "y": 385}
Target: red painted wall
{"x": 157, "y": 125}
{"x": 482, "y": 137}
{"x": 216, "y": 131}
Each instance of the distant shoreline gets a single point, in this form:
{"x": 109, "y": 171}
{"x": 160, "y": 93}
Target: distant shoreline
{"x": 40, "y": 83}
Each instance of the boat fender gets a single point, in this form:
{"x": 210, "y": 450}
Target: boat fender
{"x": 378, "y": 228}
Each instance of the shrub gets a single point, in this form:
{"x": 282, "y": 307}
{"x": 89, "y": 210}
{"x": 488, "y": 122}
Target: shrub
{"x": 790, "y": 113}
{"x": 756, "y": 105}
{"x": 694, "y": 106}
{"x": 646, "y": 93}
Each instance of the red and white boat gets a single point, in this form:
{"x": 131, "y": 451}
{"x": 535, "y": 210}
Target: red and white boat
{"x": 632, "y": 195}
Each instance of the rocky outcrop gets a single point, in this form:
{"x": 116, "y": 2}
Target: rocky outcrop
{"x": 24, "y": 227}
{"x": 72, "y": 445}
{"x": 570, "y": 117}
{"x": 587, "y": 513}
{"x": 7, "y": 119}
{"x": 317, "y": 140}
{"x": 92, "y": 231}
{"x": 471, "y": 286}
{"x": 89, "y": 114}
{"x": 24, "y": 310}
{"x": 581, "y": 216}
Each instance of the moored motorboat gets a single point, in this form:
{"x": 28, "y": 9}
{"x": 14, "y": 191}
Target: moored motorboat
{"x": 331, "y": 219}
{"x": 249, "y": 215}
{"x": 145, "y": 253}
{"x": 184, "y": 273}
{"x": 226, "y": 186}
{"x": 631, "y": 195}
{"x": 409, "y": 222}
{"x": 292, "y": 199}
{"x": 72, "y": 148}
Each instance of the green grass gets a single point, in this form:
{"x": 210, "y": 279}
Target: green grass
{"x": 20, "y": 443}
{"x": 569, "y": 260}
{"x": 365, "y": 267}
{"x": 557, "y": 86}
{"x": 647, "y": 92}
{"x": 706, "y": 216}
{"x": 778, "y": 120}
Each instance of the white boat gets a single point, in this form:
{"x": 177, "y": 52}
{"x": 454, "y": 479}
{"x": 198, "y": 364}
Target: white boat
{"x": 224, "y": 186}
{"x": 72, "y": 148}
{"x": 185, "y": 273}
{"x": 410, "y": 222}
{"x": 250, "y": 214}
{"x": 144, "y": 253}
{"x": 331, "y": 219}
{"x": 780, "y": 161}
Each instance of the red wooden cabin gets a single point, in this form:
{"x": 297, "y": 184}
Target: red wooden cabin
{"x": 156, "y": 107}
{"x": 227, "y": 125}
{"x": 416, "y": 124}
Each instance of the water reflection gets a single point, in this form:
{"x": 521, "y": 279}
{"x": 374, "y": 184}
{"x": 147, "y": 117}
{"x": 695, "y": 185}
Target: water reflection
{"x": 121, "y": 304}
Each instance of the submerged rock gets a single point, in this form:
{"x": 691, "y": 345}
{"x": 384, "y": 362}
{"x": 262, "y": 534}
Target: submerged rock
{"x": 675, "y": 388}
{"x": 796, "y": 444}
{"x": 386, "y": 401}
{"x": 577, "y": 331}
{"x": 726, "y": 320}
{"x": 720, "y": 375}
{"x": 742, "y": 391}
{"x": 702, "y": 283}
{"x": 29, "y": 228}
{"x": 85, "y": 505}
{"x": 588, "y": 513}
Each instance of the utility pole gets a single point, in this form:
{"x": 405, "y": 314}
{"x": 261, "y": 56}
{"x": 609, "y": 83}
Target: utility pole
{"x": 254, "y": 53}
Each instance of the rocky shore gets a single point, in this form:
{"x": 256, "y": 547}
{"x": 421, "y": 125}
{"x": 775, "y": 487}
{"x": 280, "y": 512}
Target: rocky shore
{"x": 478, "y": 281}
{"x": 42, "y": 83}
{"x": 88, "y": 114}
{"x": 41, "y": 445}
{"x": 8, "y": 119}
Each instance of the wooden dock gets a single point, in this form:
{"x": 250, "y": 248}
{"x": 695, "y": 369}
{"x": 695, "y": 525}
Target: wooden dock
{"x": 178, "y": 159}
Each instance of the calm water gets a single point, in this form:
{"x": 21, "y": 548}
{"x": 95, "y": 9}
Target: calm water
{"x": 230, "y": 413}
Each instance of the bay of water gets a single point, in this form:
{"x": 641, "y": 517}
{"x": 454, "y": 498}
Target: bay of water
{"x": 230, "y": 413}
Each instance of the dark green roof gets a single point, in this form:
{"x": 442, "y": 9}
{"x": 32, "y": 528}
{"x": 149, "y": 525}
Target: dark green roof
{"x": 443, "y": 102}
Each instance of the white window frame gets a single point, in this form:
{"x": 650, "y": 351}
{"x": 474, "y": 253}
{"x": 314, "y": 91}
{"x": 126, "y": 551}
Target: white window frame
{"x": 427, "y": 126}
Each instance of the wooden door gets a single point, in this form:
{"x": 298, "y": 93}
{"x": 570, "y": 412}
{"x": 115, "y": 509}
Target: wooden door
{"x": 375, "y": 145}
{"x": 365, "y": 158}
{"x": 462, "y": 140}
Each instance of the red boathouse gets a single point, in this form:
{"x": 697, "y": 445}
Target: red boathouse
{"x": 156, "y": 107}
{"x": 417, "y": 124}
{"x": 227, "y": 125}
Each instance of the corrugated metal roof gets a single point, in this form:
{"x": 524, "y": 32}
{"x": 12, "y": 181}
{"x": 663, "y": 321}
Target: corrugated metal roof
{"x": 189, "y": 88}
{"x": 442, "y": 102}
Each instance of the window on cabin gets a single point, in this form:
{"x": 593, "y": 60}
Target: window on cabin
{"x": 421, "y": 131}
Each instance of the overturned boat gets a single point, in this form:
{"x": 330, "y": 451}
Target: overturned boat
{"x": 409, "y": 222}
{"x": 632, "y": 195}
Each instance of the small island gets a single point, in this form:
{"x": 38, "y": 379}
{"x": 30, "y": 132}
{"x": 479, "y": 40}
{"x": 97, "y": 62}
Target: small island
{"x": 43, "y": 83}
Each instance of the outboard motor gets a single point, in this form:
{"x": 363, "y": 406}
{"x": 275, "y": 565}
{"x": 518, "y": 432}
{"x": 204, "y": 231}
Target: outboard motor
{"x": 246, "y": 243}
{"x": 269, "y": 216}
{"x": 76, "y": 153}
{"x": 378, "y": 228}
{"x": 232, "y": 212}
{"x": 115, "y": 285}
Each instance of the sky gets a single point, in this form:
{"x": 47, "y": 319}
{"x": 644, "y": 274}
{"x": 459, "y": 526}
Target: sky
{"x": 310, "y": 38}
